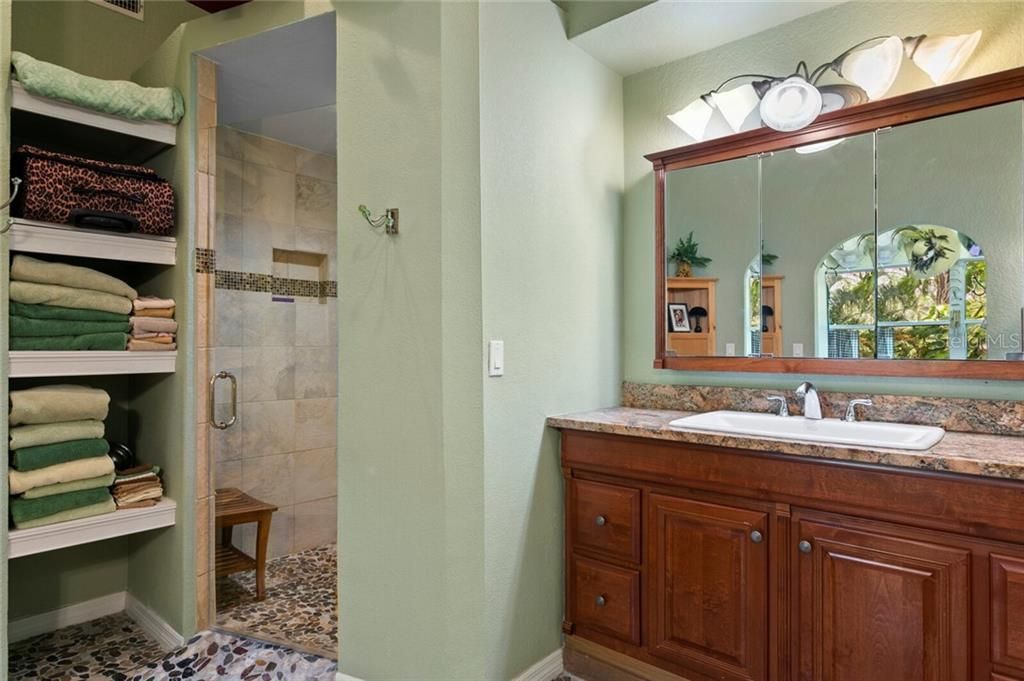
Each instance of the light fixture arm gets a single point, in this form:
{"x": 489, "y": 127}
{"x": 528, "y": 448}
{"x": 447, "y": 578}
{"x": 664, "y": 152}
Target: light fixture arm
{"x": 817, "y": 73}
{"x": 759, "y": 78}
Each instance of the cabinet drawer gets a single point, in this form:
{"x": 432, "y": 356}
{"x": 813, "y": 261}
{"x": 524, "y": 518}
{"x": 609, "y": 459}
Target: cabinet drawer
{"x": 607, "y": 599}
{"x": 1007, "y": 608}
{"x": 605, "y": 519}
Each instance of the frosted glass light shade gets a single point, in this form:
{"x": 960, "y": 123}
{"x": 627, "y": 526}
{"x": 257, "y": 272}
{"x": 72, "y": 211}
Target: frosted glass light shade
{"x": 942, "y": 56}
{"x": 736, "y": 105}
{"x": 874, "y": 69}
{"x": 694, "y": 118}
{"x": 790, "y": 105}
{"x": 819, "y": 146}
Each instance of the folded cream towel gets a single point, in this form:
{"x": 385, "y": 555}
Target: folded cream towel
{"x": 24, "y": 268}
{"x": 152, "y": 336}
{"x": 73, "y": 486}
{"x": 105, "y": 506}
{"x": 165, "y": 312}
{"x": 145, "y": 345}
{"x": 83, "y": 469}
{"x": 153, "y": 325}
{"x": 48, "y": 433}
{"x": 64, "y": 296}
{"x": 53, "y": 403}
{"x": 152, "y": 303}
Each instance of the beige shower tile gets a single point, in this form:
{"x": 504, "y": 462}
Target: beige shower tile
{"x": 315, "y": 474}
{"x": 323, "y": 241}
{"x": 229, "y": 142}
{"x": 316, "y": 523}
{"x": 203, "y": 151}
{"x": 227, "y": 240}
{"x": 227, "y": 324}
{"x": 202, "y": 388}
{"x": 316, "y": 372}
{"x": 204, "y": 518}
{"x": 268, "y": 429}
{"x": 282, "y": 235}
{"x": 268, "y": 322}
{"x": 228, "y": 474}
{"x": 268, "y": 152}
{"x": 313, "y": 164}
{"x": 207, "y": 113}
{"x": 228, "y": 181}
{"x": 202, "y": 210}
{"x": 269, "y": 479}
{"x": 268, "y": 193}
{"x": 257, "y": 245}
{"x": 206, "y": 78}
{"x": 315, "y": 423}
{"x": 269, "y": 374}
{"x": 202, "y": 459}
{"x": 203, "y": 589}
{"x": 311, "y": 319}
{"x": 282, "y": 530}
{"x": 204, "y": 287}
{"x": 315, "y": 202}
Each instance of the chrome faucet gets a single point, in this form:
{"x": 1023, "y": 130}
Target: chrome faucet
{"x": 851, "y": 409}
{"x": 809, "y": 394}
{"x": 781, "y": 407}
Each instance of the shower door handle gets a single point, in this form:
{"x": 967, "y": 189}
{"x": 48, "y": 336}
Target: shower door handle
{"x": 223, "y": 425}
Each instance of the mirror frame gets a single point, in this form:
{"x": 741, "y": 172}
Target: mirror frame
{"x": 975, "y": 93}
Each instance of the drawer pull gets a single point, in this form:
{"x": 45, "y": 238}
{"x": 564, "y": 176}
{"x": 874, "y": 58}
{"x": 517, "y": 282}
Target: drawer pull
{"x": 601, "y": 521}
{"x": 756, "y": 537}
{"x": 600, "y": 601}
{"x": 804, "y": 546}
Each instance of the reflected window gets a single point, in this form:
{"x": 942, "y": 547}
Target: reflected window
{"x": 930, "y": 304}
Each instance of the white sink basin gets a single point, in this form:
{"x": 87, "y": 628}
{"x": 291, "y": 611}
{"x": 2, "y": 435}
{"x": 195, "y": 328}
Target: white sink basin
{"x": 834, "y": 431}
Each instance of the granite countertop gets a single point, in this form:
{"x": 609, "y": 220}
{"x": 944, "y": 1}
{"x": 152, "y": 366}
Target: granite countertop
{"x": 993, "y": 456}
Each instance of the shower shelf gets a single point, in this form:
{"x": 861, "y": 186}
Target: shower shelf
{"x": 32, "y": 364}
{"x": 31, "y": 236}
{"x": 87, "y": 530}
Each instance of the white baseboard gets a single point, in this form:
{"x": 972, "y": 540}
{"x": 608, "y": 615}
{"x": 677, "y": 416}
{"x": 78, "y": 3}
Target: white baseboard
{"x": 154, "y": 625}
{"x": 78, "y": 613}
{"x": 545, "y": 670}
{"x": 338, "y": 676}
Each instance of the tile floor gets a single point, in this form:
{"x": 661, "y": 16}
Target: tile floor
{"x": 301, "y": 607}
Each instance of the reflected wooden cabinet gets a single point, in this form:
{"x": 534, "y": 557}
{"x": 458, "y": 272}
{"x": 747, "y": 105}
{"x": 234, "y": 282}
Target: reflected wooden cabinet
{"x": 695, "y": 292}
{"x": 704, "y": 563}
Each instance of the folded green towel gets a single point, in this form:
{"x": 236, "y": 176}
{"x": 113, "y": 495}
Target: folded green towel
{"x": 58, "y": 403}
{"x": 73, "y": 486}
{"x": 70, "y": 314}
{"x": 83, "y": 469}
{"x": 26, "y": 268}
{"x": 116, "y": 97}
{"x": 26, "y": 327}
{"x": 48, "y": 433}
{"x": 41, "y": 456}
{"x": 64, "y": 296}
{"x": 23, "y": 510}
{"x": 103, "y": 507}
{"x": 89, "y": 341}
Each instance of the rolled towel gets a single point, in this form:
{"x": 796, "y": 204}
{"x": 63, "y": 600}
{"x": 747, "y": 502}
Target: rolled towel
{"x": 41, "y": 456}
{"x": 48, "y": 433}
{"x": 73, "y": 486}
{"x": 27, "y": 327}
{"x": 89, "y": 341}
{"x": 105, "y": 506}
{"x": 56, "y": 403}
{"x": 63, "y": 296}
{"x": 165, "y": 313}
{"x": 83, "y": 469}
{"x": 24, "y": 510}
{"x": 141, "y": 472}
{"x": 148, "y": 346}
{"x": 152, "y": 303}
{"x": 154, "y": 337}
{"x": 25, "y": 268}
{"x": 137, "y": 504}
{"x": 153, "y": 325}
{"x": 69, "y": 314}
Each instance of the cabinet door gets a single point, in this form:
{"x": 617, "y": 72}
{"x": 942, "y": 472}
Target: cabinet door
{"x": 708, "y": 584}
{"x": 872, "y": 605}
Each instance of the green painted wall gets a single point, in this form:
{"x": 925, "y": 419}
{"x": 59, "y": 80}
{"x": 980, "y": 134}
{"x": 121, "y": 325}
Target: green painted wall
{"x": 551, "y": 186}
{"x": 94, "y": 40}
{"x": 584, "y": 15}
{"x": 650, "y": 95}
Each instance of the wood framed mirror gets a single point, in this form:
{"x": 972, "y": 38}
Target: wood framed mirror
{"x": 885, "y": 239}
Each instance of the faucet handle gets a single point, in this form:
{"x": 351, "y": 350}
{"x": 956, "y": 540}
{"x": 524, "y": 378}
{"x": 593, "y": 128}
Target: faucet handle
{"x": 781, "y": 405}
{"x": 851, "y": 409}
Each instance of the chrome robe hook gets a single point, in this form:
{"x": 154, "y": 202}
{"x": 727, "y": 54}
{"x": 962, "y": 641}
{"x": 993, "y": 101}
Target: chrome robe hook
{"x": 15, "y": 183}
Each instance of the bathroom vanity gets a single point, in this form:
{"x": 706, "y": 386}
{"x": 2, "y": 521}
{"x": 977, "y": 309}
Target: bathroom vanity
{"x": 707, "y": 556}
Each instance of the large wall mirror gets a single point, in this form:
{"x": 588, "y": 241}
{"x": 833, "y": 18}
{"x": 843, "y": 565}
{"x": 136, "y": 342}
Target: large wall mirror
{"x": 892, "y": 249}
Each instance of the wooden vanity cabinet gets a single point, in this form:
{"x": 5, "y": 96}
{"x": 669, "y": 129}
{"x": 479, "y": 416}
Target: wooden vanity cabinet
{"x": 732, "y": 565}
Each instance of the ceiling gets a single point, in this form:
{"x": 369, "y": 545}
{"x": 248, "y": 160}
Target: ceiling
{"x": 668, "y": 30}
{"x": 281, "y": 83}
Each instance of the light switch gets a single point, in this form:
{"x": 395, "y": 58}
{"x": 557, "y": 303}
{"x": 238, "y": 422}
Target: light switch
{"x": 798, "y": 349}
{"x": 730, "y": 349}
{"x": 496, "y": 358}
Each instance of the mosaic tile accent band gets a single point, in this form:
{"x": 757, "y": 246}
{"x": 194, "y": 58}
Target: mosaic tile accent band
{"x": 206, "y": 262}
{"x": 997, "y": 417}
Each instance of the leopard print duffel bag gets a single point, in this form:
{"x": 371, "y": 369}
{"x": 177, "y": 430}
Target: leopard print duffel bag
{"x": 79, "y": 191}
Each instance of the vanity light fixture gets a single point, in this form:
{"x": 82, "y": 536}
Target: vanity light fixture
{"x": 873, "y": 69}
{"x": 791, "y": 104}
{"x": 943, "y": 56}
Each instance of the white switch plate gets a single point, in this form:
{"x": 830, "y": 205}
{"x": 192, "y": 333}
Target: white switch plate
{"x": 496, "y": 358}
{"x": 730, "y": 349}
{"x": 798, "y": 349}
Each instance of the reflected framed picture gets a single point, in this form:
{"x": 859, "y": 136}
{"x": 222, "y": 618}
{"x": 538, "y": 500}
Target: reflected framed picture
{"x": 678, "y": 318}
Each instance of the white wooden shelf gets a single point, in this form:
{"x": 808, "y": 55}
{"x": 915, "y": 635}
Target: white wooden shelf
{"x": 87, "y": 530}
{"x": 31, "y": 236}
{"x": 31, "y": 364}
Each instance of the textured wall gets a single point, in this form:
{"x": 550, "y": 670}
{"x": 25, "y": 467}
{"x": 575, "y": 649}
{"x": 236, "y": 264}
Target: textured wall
{"x": 652, "y": 94}
{"x": 551, "y": 182}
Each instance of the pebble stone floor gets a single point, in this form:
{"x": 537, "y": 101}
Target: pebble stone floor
{"x": 301, "y": 607}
